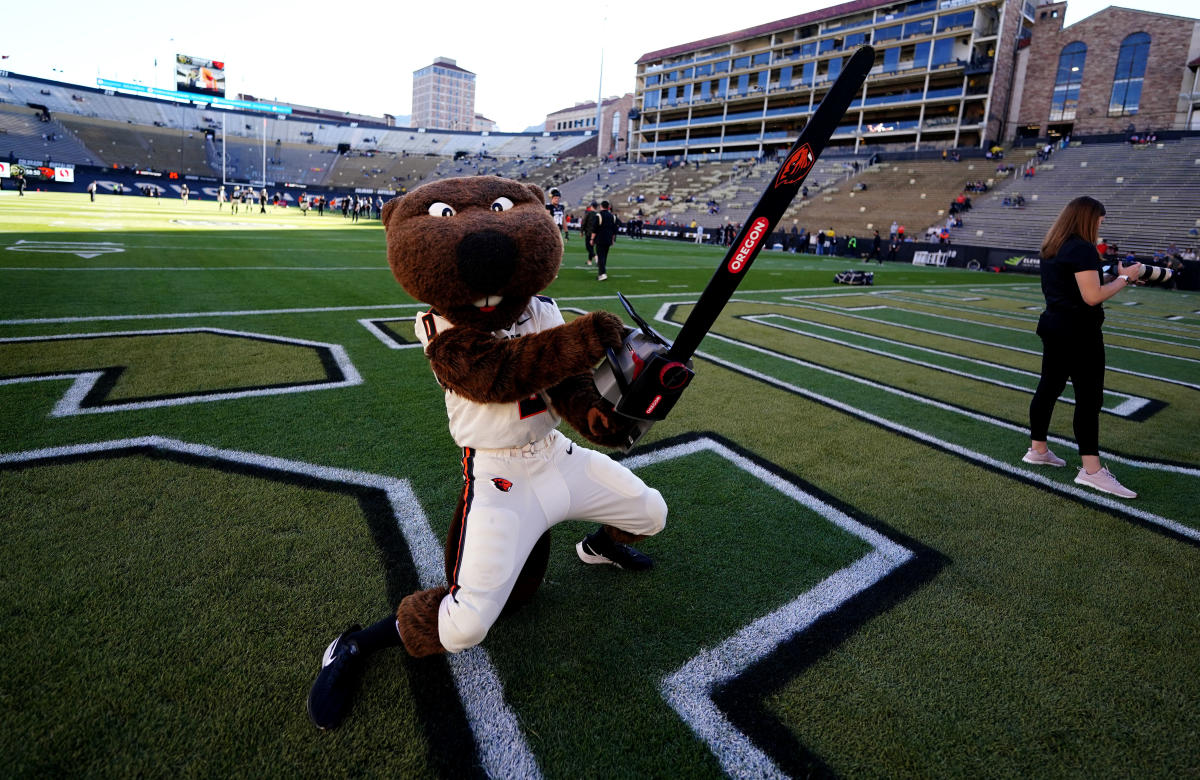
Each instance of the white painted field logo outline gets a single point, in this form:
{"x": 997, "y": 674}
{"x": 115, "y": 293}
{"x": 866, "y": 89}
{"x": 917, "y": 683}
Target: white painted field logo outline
{"x": 503, "y": 750}
{"x": 1128, "y": 405}
{"x": 85, "y": 382}
{"x": 1123, "y": 509}
{"x": 85, "y": 249}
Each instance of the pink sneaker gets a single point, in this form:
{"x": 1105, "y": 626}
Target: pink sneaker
{"x": 1104, "y": 481}
{"x": 1046, "y": 458}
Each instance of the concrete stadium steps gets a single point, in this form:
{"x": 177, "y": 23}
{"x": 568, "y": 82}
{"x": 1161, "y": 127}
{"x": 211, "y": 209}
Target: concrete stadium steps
{"x": 139, "y": 146}
{"x": 678, "y": 182}
{"x": 79, "y": 106}
{"x": 1151, "y": 193}
{"x": 615, "y": 187}
{"x": 23, "y": 136}
{"x": 378, "y": 171}
{"x": 915, "y": 194}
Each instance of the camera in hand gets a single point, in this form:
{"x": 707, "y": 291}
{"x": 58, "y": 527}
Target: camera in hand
{"x": 1151, "y": 274}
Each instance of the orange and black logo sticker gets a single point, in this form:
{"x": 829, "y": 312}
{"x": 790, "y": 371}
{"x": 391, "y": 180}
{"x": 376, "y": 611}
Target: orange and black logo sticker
{"x": 502, "y": 484}
{"x": 797, "y": 166}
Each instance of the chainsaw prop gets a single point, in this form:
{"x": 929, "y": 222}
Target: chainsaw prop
{"x": 647, "y": 375}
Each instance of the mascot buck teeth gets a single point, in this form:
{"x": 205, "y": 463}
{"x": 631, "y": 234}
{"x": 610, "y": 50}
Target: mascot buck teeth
{"x": 479, "y": 251}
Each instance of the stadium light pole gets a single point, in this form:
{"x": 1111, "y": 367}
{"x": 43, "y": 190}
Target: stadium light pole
{"x": 600, "y": 104}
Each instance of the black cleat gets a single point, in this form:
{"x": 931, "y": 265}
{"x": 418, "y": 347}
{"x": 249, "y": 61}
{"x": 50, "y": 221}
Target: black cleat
{"x": 599, "y": 547}
{"x": 333, "y": 691}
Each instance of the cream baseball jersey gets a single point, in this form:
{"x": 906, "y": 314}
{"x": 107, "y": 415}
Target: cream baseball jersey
{"x": 499, "y": 425}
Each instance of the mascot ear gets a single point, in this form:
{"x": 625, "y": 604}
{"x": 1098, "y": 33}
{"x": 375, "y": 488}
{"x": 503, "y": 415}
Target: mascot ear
{"x": 389, "y": 207}
{"x": 537, "y": 192}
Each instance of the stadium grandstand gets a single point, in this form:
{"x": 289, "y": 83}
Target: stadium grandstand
{"x": 949, "y": 74}
{"x": 46, "y": 122}
{"x": 946, "y": 187}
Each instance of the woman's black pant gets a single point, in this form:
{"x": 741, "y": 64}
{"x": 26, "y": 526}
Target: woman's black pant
{"x": 1079, "y": 358}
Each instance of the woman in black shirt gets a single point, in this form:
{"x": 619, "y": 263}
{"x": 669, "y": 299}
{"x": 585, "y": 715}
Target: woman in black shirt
{"x": 1072, "y": 345}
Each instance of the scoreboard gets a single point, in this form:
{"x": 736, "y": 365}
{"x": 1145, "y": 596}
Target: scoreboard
{"x": 33, "y": 171}
{"x": 200, "y": 76}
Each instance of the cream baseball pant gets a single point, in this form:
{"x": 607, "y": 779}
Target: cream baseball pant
{"x": 512, "y": 497}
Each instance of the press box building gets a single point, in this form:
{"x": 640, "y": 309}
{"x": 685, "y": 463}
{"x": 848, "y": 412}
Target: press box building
{"x": 948, "y": 73}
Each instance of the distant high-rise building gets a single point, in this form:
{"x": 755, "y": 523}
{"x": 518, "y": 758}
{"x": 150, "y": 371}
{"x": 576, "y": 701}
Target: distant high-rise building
{"x": 443, "y": 96}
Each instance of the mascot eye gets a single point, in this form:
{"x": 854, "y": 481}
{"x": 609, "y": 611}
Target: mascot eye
{"x": 440, "y": 209}
{"x": 501, "y": 204}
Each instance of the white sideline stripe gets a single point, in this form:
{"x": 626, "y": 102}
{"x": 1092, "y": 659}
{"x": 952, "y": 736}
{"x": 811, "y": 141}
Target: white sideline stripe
{"x": 1130, "y": 405}
{"x": 195, "y": 314}
{"x": 324, "y": 309}
{"x": 1116, "y": 330}
{"x": 70, "y": 402}
{"x": 196, "y": 268}
{"x": 661, "y": 317}
{"x": 969, "y": 454}
{"x": 1185, "y": 470}
{"x": 886, "y": 323}
{"x": 1124, "y": 325}
{"x": 1149, "y": 319}
{"x": 315, "y": 310}
{"x": 503, "y": 750}
{"x": 689, "y": 688}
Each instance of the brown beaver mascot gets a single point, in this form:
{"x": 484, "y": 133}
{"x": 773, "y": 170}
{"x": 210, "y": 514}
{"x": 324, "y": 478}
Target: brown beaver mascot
{"x": 479, "y": 251}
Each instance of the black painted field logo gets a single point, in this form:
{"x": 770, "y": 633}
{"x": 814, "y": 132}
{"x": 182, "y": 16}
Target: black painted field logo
{"x": 143, "y": 369}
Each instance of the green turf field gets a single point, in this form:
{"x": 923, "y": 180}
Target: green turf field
{"x": 220, "y": 445}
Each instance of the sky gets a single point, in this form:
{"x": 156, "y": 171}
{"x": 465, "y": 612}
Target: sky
{"x": 530, "y": 58}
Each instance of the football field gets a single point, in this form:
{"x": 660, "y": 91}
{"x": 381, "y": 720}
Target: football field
{"x": 220, "y": 444}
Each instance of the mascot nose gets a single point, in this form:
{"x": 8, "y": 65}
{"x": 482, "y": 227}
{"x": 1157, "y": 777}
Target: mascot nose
{"x": 487, "y": 260}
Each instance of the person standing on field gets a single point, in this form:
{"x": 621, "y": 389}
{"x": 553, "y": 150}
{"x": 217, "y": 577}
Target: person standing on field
{"x": 587, "y": 227}
{"x": 606, "y": 235}
{"x": 1072, "y": 344}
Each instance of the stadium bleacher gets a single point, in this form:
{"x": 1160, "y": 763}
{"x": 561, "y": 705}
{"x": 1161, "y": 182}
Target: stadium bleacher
{"x": 1151, "y": 190}
{"x": 1151, "y": 193}
{"x": 25, "y": 135}
{"x": 913, "y": 193}
{"x": 98, "y": 127}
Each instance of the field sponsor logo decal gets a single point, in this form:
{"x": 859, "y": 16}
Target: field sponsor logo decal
{"x": 216, "y": 223}
{"x": 797, "y": 167}
{"x": 85, "y": 249}
{"x": 749, "y": 243}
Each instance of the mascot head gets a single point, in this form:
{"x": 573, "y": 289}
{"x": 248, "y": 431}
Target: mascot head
{"x": 476, "y": 249}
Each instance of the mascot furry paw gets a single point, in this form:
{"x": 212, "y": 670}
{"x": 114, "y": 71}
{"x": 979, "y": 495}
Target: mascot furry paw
{"x": 479, "y": 251}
